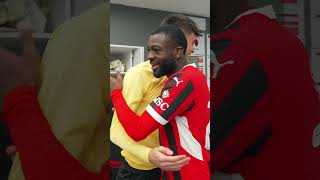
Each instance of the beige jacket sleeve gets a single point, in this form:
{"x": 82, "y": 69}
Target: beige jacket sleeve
{"x": 133, "y": 93}
{"x": 74, "y": 93}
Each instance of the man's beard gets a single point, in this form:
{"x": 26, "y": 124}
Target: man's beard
{"x": 166, "y": 69}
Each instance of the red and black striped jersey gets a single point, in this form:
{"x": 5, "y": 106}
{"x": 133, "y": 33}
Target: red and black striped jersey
{"x": 265, "y": 119}
{"x": 182, "y": 114}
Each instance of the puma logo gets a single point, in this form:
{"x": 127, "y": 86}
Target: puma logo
{"x": 177, "y": 81}
{"x": 316, "y": 137}
{"x": 218, "y": 66}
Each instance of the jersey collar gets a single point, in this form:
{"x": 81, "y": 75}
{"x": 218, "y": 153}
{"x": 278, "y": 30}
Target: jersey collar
{"x": 265, "y": 10}
{"x": 192, "y": 65}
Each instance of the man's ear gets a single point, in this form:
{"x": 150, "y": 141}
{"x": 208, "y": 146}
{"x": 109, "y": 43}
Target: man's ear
{"x": 179, "y": 52}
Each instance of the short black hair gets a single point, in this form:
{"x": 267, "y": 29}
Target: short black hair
{"x": 173, "y": 33}
{"x": 184, "y": 22}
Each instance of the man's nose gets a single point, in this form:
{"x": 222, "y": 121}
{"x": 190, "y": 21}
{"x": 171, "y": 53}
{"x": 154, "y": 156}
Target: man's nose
{"x": 150, "y": 55}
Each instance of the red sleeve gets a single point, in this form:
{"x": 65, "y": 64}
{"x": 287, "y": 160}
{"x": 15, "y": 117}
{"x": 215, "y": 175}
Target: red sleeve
{"x": 176, "y": 98}
{"x": 42, "y": 155}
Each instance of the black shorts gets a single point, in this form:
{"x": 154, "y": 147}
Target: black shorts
{"x": 126, "y": 172}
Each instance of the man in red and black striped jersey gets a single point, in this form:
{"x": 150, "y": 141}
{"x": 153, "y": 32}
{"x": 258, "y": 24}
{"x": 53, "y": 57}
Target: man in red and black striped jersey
{"x": 181, "y": 112}
{"x": 265, "y": 118}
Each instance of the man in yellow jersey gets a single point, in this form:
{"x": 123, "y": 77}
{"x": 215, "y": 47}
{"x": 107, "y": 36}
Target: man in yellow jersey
{"x": 144, "y": 158}
{"x": 74, "y": 90}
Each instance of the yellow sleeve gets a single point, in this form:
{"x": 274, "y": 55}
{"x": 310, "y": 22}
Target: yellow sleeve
{"x": 74, "y": 91}
{"x": 133, "y": 93}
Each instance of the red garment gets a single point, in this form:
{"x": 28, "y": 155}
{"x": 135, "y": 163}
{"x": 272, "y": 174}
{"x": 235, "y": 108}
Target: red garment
{"x": 42, "y": 155}
{"x": 181, "y": 113}
{"x": 266, "y": 107}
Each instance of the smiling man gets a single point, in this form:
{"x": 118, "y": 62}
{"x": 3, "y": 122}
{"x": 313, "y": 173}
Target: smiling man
{"x": 181, "y": 111}
{"x": 142, "y": 159}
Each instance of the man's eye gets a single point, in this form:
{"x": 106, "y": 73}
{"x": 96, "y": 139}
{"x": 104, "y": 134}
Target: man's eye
{"x": 156, "y": 50}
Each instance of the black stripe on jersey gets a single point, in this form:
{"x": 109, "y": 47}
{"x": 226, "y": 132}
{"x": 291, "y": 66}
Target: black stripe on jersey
{"x": 164, "y": 175}
{"x": 172, "y": 82}
{"x": 236, "y": 105}
{"x": 190, "y": 107}
{"x": 173, "y": 146}
{"x": 184, "y": 94}
{"x": 218, "y": 47}
{"x": 254, "y": 149}
{"x": 153, "y": 103}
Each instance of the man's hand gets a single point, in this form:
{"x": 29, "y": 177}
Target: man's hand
{"x": 116, "y": 83}
{"x": 162, "y": 158}
{"x": 20, "y": 70}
